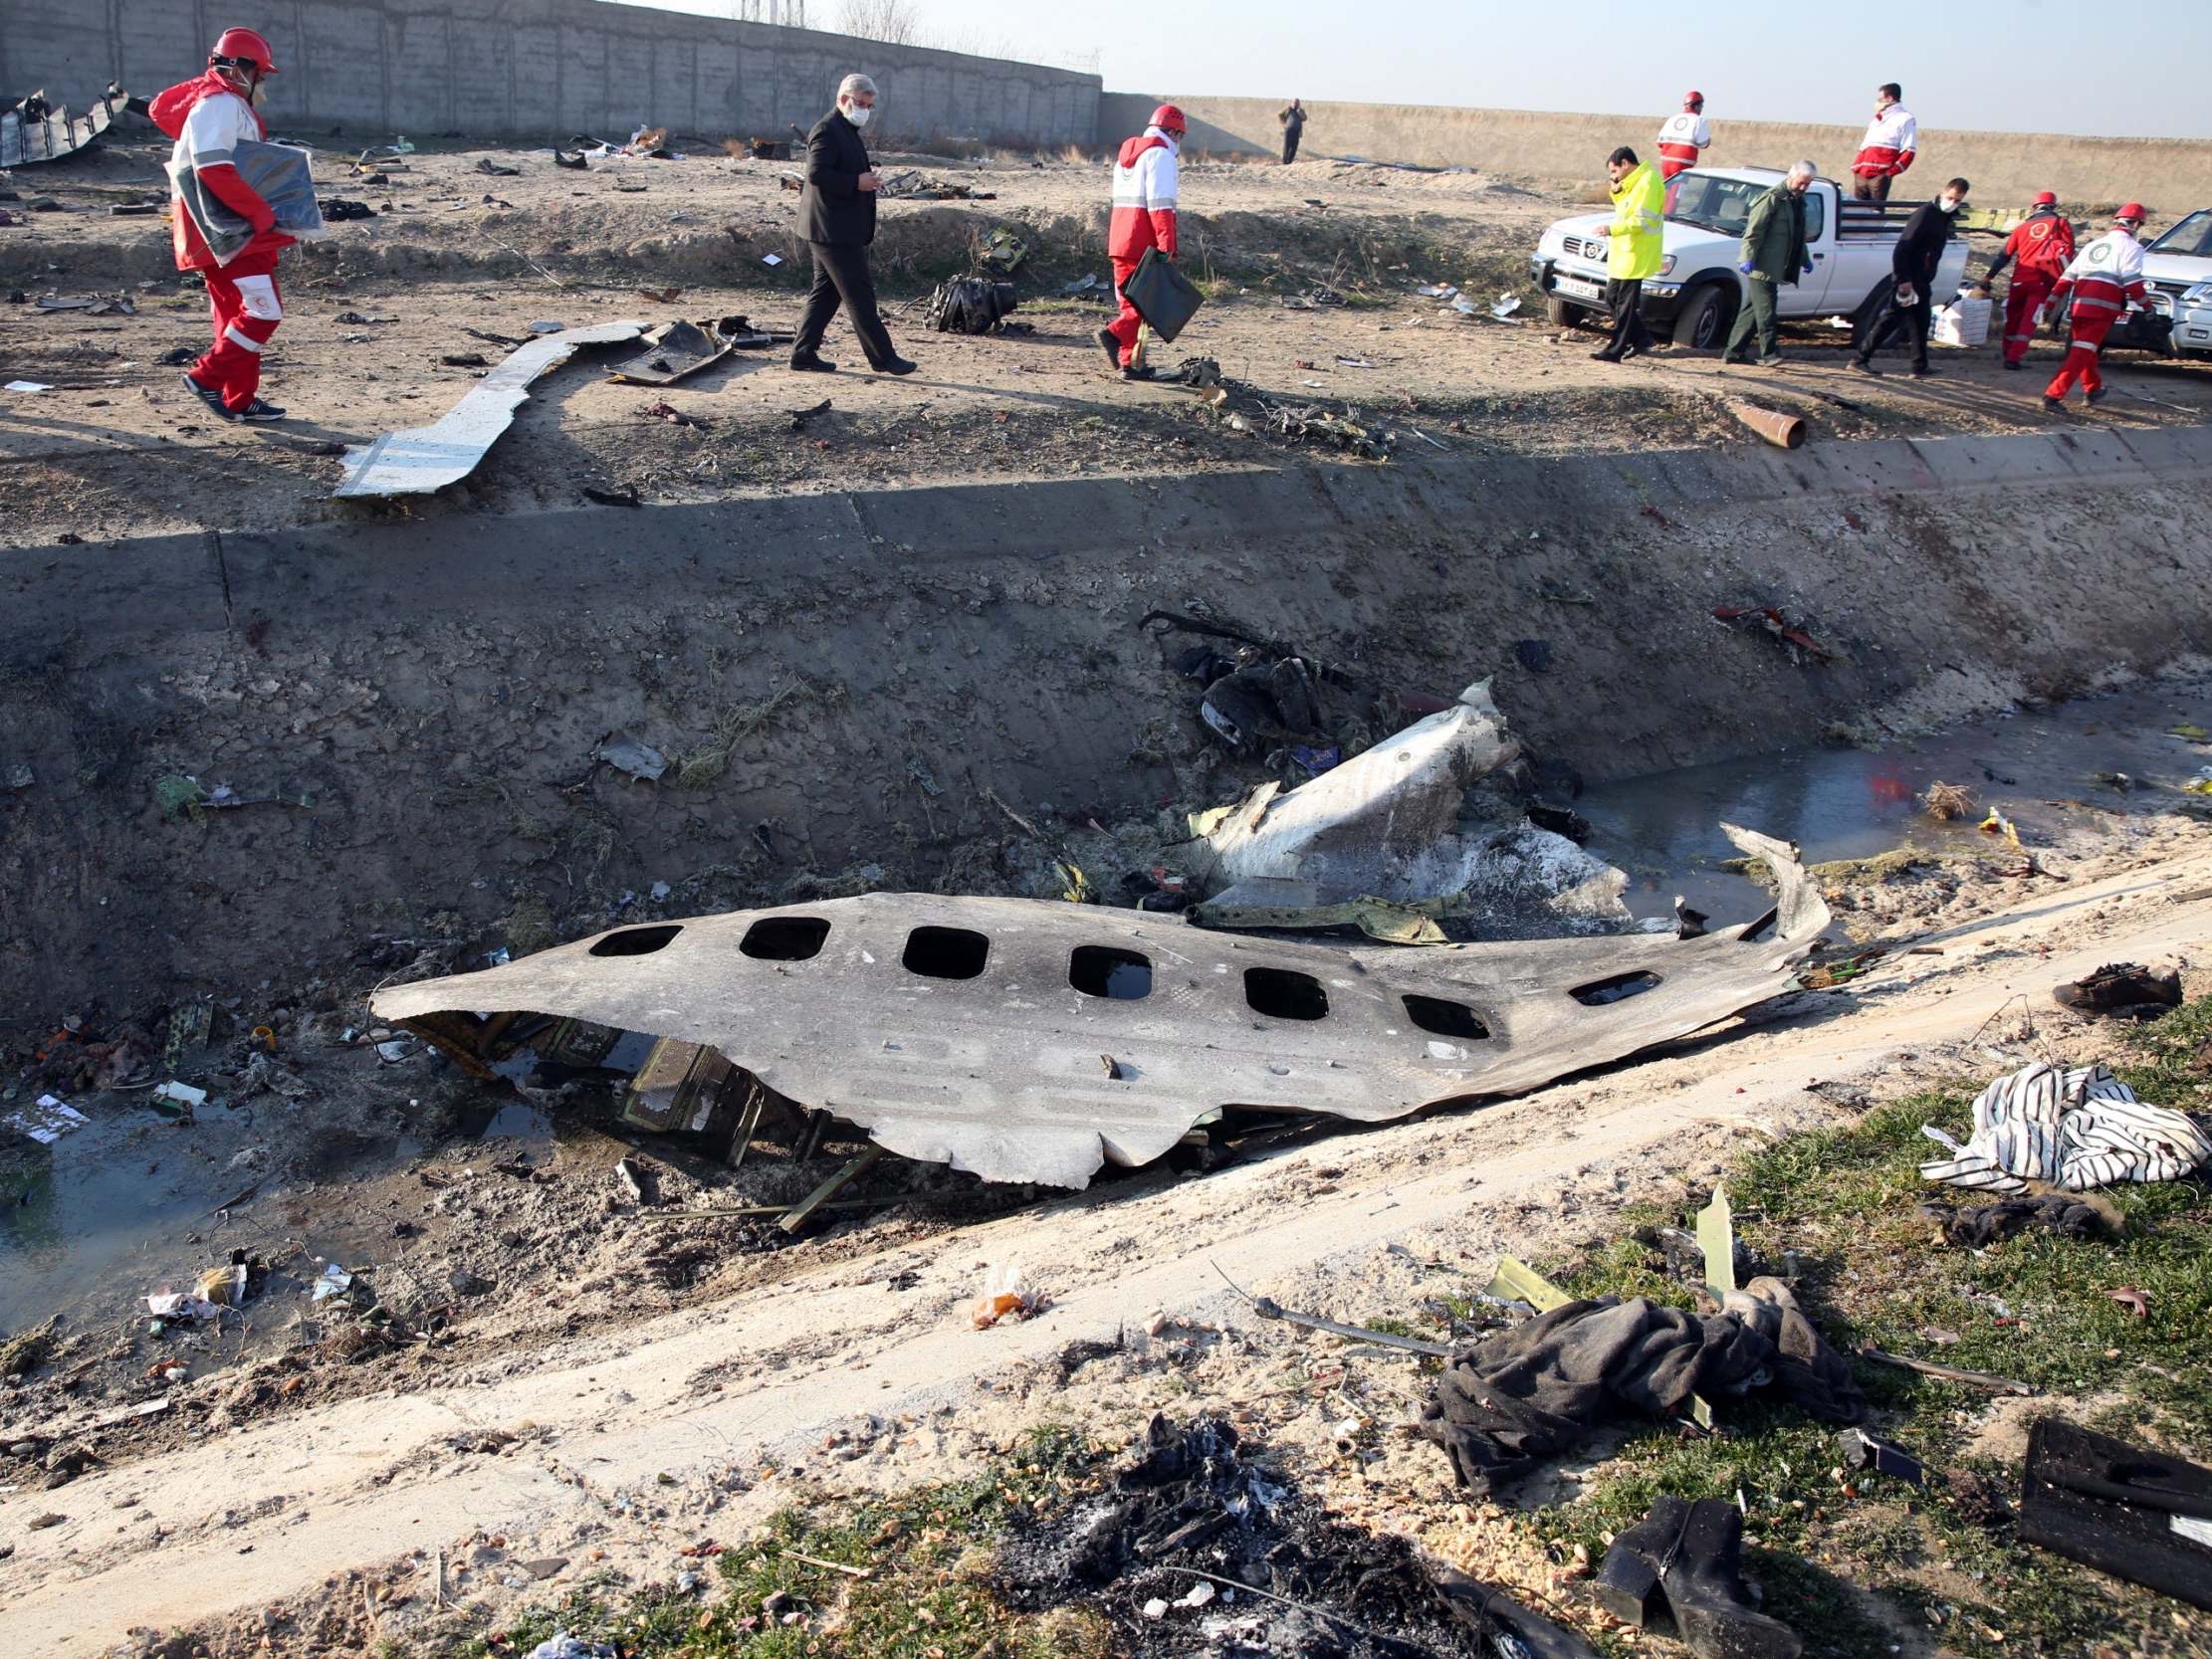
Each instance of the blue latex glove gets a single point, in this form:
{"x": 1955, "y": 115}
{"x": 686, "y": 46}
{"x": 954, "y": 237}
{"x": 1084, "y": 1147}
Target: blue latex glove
{"x": 1808, "y": 265}
{"x": 1745, "y": 267}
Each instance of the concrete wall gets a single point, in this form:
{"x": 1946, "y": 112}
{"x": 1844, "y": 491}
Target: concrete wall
{"x": 2170, "y": 175}
{"x": 535, "y": 69}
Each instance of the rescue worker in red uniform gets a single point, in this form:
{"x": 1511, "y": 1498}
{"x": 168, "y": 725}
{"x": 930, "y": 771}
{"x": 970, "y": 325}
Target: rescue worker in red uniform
{"x": 208, "y": 118}
{"x": 1684, "y": 138}
{"x": 1145, "y": 181}
{"x": 2100, "y": 281}
{"x": 2043, "y": 242}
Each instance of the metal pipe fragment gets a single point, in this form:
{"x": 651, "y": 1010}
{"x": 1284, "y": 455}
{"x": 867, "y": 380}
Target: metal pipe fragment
{"x": 1783, "y": 431}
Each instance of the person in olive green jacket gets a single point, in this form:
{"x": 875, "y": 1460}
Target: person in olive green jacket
{"x": 1773, "y": 253}
{"x": 1635, "y": 243}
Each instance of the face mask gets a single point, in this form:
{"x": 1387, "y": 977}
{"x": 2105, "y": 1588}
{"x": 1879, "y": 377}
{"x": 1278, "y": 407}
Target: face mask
{"x": 256, "y": 97}
{"x": 1947, "y": 205}
{"x": 857, "y": 116}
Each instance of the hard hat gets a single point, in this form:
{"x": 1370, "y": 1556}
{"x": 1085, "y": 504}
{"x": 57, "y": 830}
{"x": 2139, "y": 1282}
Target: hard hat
{"x": 1692, "y": 96}
{"x": 245, "y": 46}
{"x": 1167, "y": 119}
{"x": 2047, "y": 199}
{"x": 2132, "y": 210}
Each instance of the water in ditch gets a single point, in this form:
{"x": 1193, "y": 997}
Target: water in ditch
{"x": 2126, "y": 752}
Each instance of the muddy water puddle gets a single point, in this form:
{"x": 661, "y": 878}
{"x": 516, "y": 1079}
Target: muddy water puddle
{"x": 2042, "y": 769}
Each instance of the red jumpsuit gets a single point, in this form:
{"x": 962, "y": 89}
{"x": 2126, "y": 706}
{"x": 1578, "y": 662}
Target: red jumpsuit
{"x": 1145, "y": 183}
{"x": 2040, "y": 249}
{"x": 2101, "y": 280}
{"x": 208, "y": 120}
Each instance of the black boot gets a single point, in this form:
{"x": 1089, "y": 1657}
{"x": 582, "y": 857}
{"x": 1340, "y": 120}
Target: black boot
{"x": 1628, "y": 1583}
{"x": 1704, "y": 1590}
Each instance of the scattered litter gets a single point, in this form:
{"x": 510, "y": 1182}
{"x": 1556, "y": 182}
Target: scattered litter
{"x": 496, "y": 169}
{"x": 1945, "y": 801}
{"x": 184, "y": 1093}
{"x": 35, "y": 131}
{"x": 332, "y": 1281}
{"x": 337, "y": 210}
{"x": 547, "y": 325}
{"x": 970, "y": 306}
{"x": 2194, "y": 733}
{"x": 45, "y": 1120}
{"x": 772, "y": 259}
{"x": 1507, "y": 305}
{"x": 2133, "y": 1300}
{"x": 1438, "y": 291}
{"x": 216, "y": 1289}
{"x": 1006, "y": 253}
{"x": 799, "y": 417}
{"x": 92, "y": 304}
{"x": 1088, "y": 283}
{"x": 1866, "y": 1451}
{"x": 1793, "y": 635}
{"x": 28, "y": 386}
{"x": 612, "y": 497}
{"x": 1005, "y": 1297}
{"x": 2075, "y": 1130}
{"x": 1981, "y": 1225}
{"x": 2121, "y": 990}
{"x": 677, "y": 350}
{"x": 626, "y": 754}
{"x": 566, "y": 1646}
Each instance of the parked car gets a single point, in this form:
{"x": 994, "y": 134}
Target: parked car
{"x": 1698, "y": 289}
{"x": 2176, "y": 317}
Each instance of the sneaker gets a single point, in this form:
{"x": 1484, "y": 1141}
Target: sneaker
{"x": 2127, "y": 989}
{"x": 1132, "y": 371}
{"x": 209, "y": 396}
{"x": 1859, "y": 366}
{"x": 258, "y": 412}
{"x": 1774, "y": 361}
{"x": 811, "y": 365}
{"x": 2057, "y": 405}
{"x": 1110, "y": 345}
{"x": 2097, "y": 396}
{"x": 897, "y": 366}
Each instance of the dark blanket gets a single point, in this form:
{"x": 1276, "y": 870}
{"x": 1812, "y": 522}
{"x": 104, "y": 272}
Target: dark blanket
{"x": 1527, "y": 1394}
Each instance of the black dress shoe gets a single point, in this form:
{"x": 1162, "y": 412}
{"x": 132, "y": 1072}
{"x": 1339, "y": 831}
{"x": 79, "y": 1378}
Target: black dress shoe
{"x": 897, "y": 366}
{"x": 811, "y": 365}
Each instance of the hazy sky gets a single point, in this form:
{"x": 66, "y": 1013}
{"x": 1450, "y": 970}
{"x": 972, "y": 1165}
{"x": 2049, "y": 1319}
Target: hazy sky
{"x": 2001, "y": 68}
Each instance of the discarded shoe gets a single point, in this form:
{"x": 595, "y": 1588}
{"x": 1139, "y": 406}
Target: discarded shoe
{"x": 811, "y": 365}
{"x": 1688, "y": 1560}
{"x": 1110, "y": 345}
{"x": 2126, "y": 990}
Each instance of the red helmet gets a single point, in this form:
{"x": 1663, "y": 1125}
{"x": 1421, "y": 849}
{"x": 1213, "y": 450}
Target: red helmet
{"x": 244, "y": 46}
{"x": 1692, "y": 99}
{"x": 2134, "y": 211}
{"x": 2047, "y": 199}
{"x": 1167, "y": 119}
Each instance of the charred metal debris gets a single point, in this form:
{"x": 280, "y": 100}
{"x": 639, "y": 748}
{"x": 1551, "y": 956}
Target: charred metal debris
{"x": 1031, "y": 1041}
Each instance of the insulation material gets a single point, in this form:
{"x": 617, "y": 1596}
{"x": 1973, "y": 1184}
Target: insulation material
{"x": 1031, "y": 1041}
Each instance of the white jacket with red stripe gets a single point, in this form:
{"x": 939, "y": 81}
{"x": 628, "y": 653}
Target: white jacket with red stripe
{"x": 1145, "y": 179}
{"x": 1893, "y": 139}
{"x": 1680, "y": 137}
{"x": 2103, "y": 278}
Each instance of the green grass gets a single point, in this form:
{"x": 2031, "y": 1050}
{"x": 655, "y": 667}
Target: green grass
{"x": 930, "y": 1593}
{"x": 1851, "y": 1559}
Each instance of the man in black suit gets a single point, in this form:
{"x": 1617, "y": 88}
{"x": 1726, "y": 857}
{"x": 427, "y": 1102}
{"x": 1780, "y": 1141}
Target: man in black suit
{"x": 839, "y": 215}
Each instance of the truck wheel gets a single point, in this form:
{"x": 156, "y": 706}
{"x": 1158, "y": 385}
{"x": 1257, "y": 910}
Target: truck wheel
{"x": 1703, "y": 323}
{"x": 1561, "y": 313}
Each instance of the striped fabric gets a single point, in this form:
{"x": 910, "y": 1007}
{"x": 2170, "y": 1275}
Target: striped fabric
{"x": 2072, "y": 1130}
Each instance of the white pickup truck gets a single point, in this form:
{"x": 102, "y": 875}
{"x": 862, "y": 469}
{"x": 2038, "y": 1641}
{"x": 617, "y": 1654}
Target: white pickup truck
{"x": 2176, "y": 315}
{"x": 1695, "y": 296}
